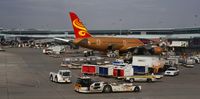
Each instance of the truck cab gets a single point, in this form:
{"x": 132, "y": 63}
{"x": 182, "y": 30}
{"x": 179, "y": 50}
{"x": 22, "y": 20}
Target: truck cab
{"x": 83, "y": 84}
{"x": 60, "y": 76}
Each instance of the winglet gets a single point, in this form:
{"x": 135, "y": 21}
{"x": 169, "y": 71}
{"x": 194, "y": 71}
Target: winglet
{"x": 80, "y": 30}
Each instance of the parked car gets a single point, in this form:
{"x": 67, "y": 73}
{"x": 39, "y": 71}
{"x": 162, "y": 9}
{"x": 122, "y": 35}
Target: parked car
{"x": 172, "y": 71}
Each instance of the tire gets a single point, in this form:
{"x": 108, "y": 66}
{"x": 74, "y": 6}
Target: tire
{"x": 177, "y": 73}
{"x": 149, "y": 80}
{"x": 56, "y": 79}
{"x": 107, "y": 89}
{"x": 51, "y": 78}
{"x": 136, "y": 89}
{"x": 131, "y": 80}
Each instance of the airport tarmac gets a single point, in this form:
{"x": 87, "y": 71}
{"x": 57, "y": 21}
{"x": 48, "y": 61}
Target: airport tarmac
{"x": 24, "y": 75}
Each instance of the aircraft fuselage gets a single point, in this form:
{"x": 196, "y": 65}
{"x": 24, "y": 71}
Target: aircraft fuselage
{"x": 109, "y": 43}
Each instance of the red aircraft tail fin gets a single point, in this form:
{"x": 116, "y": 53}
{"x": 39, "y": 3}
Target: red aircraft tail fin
{"x": 80, "y": 30}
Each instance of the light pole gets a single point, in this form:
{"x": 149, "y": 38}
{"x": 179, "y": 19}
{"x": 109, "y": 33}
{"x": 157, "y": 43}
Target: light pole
{"x": 120, "y": 31}
{"x": 195, "y": 16}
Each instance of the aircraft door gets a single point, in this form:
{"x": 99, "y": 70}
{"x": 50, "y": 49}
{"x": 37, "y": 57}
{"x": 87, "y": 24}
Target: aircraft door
{"x": 124, "y": 42}
{"x": 98, "y": 42}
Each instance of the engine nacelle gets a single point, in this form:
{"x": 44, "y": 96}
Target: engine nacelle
{"x": 156, "y": 50}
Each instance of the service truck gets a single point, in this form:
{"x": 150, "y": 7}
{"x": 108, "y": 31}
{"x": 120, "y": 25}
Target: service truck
{"x": 87, "y": 85}
{"x": 142, "y": 78}
{"x": 62, "y": 76}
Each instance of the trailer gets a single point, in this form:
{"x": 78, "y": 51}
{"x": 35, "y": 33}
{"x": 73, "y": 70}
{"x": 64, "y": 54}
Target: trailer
{"x": 76, "y": 62}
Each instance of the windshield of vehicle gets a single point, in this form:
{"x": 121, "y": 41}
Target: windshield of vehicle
{"x": 171, "y": 69}
{"x": 84, "y": 82}
{"x": 48, "y": 49}
{"x": 66, "y": 73}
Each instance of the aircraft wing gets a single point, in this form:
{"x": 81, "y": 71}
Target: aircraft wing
{"x": 64, "y": 40}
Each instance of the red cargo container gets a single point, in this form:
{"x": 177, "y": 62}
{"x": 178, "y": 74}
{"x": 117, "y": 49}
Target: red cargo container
{"x": 89, "y": 69}
{"x": 123, "y": 71}
{"x": 118, "y": 72}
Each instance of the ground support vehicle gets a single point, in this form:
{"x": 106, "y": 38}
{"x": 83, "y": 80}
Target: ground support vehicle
{"x": 141, "y": 78}
{"x": 88, "y": 53}
{"x": 62, "y": 76}
{"x": 74, "y": 66}
{"x": 189, "y": 62}
{"x": 196, "y": 59}
{"x": 172, "y": 71}
{"x": 1, "y": 49}
{"x": 47, "y": 51}
{"x": 86, "y": 85}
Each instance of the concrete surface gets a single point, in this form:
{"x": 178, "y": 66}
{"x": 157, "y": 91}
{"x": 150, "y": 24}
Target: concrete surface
{"x": 24, "y": 75}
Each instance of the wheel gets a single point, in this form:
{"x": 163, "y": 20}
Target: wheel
{"x": 107, "y": 89}
{"x": 137, "y": 89}
{"x": 149, "y": 80}
{"x": 177, "y": 73}
{"x": 51, "y": 78}
{"x": 56, "y": 79}
{"x": 131, "y": 80}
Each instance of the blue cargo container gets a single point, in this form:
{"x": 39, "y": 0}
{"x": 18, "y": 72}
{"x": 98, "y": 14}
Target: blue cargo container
{"x": 106, "y": 70}
{"x": 140, "y": 69}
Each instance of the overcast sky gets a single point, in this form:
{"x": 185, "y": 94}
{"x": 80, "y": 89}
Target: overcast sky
{"x": 100, "y": 14}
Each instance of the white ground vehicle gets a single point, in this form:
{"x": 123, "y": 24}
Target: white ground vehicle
{"x": 172, "y": 71}
{"x": 196, "y": 59}
{"x": 47, "y": 51}
{"x": 63, "y": 76}
{"x": 142, "y": 78}
{"x": 86, "y": 85}
{"x": 88, "y": 53}
{"x": 1, "y": 49}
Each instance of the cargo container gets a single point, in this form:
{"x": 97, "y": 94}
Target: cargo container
{"x": 140, "y": 69}
{"x": 89, "y": 69}
{"x": 123, "y": 71}
{"x": 118, "y": 72}
{"x": 152, "y": 62}
{"x": 148, "y": 61}
{"x": 106, "y": 70}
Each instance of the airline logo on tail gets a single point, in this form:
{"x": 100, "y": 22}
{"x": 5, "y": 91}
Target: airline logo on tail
{"x": 79, "y": 29}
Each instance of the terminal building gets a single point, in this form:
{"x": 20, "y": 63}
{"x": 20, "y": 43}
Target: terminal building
{"x": 184, "y": 36}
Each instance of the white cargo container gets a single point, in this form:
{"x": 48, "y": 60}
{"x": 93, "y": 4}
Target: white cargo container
{"x": 149, "y": 61}
{"x": 152, "y": 62}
